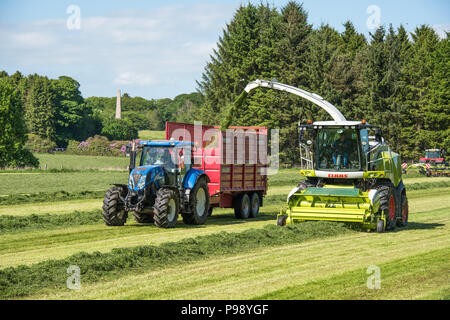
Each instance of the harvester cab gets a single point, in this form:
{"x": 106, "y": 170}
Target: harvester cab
{"x": 162, "y": 186}
{"x": 350, "y": 173}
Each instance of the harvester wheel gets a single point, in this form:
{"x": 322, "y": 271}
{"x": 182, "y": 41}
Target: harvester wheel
{"x": 242, "y": 206}
{"x": 388, "y": 204}
{"x": 254, "y": 202}
{"x": 199, "y": 204}
{"x": 281, "y": 221}
{"x": 143, "y": 217}
{"x": 404, "y": 207}
{"x": 380, "y": 226}
{"x": 166, "y": 208}
{"x": 113, "y": 212}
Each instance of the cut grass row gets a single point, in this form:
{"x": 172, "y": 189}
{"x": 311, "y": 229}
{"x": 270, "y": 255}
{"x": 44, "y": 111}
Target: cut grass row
{"x": 413, "y": 277}
{"x": 17, "y": 224}
{"x": 252, "y": 273}
{"x": 25, "y": 280}
{"x": 33, "y": 247}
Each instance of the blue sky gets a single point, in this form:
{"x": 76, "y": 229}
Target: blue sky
{"x": 157, "y": 49}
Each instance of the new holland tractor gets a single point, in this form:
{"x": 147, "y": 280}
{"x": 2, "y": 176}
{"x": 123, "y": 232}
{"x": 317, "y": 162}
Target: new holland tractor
{"x": 351, "y": 174}
{"x": 162, "y": 186}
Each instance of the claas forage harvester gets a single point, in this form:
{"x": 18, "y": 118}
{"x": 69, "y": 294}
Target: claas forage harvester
{"x": 350, "y": 173}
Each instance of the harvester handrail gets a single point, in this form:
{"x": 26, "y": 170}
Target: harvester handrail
{"x": 314, "y": 98}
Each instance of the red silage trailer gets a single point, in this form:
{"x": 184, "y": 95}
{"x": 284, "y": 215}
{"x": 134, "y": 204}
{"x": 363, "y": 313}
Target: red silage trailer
{"x": 234, "y": 160}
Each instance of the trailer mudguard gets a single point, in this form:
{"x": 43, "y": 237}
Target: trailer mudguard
{"x": 192, "y": 176}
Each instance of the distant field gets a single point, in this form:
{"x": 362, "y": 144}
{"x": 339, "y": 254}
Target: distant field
{"x": 152, "y": 135}
{"x": 77, "y": 162}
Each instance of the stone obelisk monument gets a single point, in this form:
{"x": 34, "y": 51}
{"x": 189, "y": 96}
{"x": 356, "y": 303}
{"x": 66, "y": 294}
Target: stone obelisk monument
{"x": 118, "y": 106}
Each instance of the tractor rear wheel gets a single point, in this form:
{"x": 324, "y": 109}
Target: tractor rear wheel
{"x": 166, "y": 208}
{"x": 143, "y": 217}
{"x": 388, "y": 204}
{"x": 114, "y": 213}
{"x": 254, "y": 202}
{"x": 242, "y": 206}
{"x": 405, "y": 210}
{"x": 198, "y": 204}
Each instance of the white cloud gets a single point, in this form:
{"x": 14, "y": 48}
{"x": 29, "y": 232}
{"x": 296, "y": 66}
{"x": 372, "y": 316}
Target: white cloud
{"x": 441, "y": 29}
{"x": 166, "y": 47}
{"x": 129, "y": 78}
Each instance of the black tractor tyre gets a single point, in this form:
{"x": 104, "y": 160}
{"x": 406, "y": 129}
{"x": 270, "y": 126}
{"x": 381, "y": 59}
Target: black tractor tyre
{"x": 242, "y": 206}
{"x": 403, "y": 220}
{"x": 380, "y": 226}
{"x": 210, "y": 211}
{"x": 114, "y": 213}
{"x": 166, "y": 208}
{"x": 143, "y": 217}
{"x": 198, "y": 204}
{"x": 254, "y": 205}
{"x": 388, "y": 204}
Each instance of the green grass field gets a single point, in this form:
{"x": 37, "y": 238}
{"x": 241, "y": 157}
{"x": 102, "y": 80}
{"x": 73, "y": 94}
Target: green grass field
{"x": 42, "y": 234}
{"x": 76, "y": 162}
{"x": 152, "y": 135}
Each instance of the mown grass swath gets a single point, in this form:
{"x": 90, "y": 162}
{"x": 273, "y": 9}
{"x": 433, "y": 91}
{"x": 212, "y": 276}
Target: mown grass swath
{"x": 25, "y": 280}
{"x": 16, "y": 224}
{"x": 429, "y": 267}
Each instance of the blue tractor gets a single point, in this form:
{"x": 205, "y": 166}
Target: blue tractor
{"x": 162, "y": 186}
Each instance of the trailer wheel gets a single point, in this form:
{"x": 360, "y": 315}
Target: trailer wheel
{"x": 254, "y": 202}
{"x": 388, "y": 204}
{"x": 114, "y": 213}
{"x": 166, "y": 208}
{"x": 143, "y": 217}
{"x": 242, "y": 206}
{"x": 198, "y": 203}
{"x": 404, "y": 208}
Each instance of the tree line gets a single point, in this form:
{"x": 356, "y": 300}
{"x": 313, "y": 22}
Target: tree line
{"x": 42, "y": 114}
{"x": 394, "y": 80}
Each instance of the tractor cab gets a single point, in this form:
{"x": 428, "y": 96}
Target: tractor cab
{"x": 174, "y": 157}
{"x": 433, "y": 156}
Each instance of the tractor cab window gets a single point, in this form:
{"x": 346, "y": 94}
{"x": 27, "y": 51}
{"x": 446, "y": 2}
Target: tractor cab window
{"x": 338, "y": 149}
{"x": 158, "y": 156}
{"x": 432, "y": 154}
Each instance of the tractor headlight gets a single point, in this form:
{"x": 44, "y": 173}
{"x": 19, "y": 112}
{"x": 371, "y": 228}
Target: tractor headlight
{"x": 141, "y": 183}
{"x": 130, "y": 183}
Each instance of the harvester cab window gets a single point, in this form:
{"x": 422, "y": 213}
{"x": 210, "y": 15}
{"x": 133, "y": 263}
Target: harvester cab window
{"x": 338, "y": 149}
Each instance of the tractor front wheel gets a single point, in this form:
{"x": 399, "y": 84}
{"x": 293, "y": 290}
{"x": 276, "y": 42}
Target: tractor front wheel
{"x": 114, "y": 213}
{"x": 166, "y": 208}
